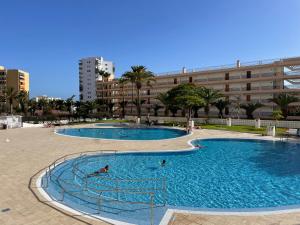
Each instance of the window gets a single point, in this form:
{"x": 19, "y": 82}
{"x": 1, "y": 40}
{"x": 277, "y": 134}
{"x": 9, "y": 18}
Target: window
{"x": 175, "y": 80}
{"x": 248, "y": 74}
{"x": 248, "y": 86}
{"x": 190, "y": 79}
{"x": 148, "y": 92}
{"x": 226, "y": 76}
{"x": 88, "y": 71}
{"x": 148, "y": 100}
{"x": 248, "y": 98}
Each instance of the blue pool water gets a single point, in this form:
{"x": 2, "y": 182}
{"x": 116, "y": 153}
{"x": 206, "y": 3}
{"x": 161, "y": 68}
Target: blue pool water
{"x": 224, "y": 174}
{"x": 124, "y": 133}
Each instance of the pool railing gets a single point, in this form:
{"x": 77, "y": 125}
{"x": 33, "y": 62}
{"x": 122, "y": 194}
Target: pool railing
{"x": 99, "y": 199}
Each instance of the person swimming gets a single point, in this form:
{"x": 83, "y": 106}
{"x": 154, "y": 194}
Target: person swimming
{"x": 199, "y": 146}
{"x": 163, "y": 163}
{"x": 101, "y": 170}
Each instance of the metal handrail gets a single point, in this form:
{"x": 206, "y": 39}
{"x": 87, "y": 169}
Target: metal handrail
{"x": 86, "y": 186}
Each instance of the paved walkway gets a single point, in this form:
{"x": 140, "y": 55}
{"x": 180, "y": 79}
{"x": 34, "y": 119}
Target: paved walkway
{"x": 24, "y": 152}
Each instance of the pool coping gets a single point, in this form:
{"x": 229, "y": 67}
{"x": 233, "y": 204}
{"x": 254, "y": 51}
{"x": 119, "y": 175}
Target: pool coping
{"x": 111, "y": 139}
{"x": 170, "y": 211}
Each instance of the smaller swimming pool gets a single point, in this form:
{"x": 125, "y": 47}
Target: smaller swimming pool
{"x": 123, "y": 133}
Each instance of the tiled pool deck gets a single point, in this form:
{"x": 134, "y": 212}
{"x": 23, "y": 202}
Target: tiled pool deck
{"x": 24, "y": 152}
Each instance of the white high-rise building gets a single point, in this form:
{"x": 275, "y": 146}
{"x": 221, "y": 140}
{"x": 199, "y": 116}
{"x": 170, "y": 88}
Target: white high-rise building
{"x": 88, "y": 75}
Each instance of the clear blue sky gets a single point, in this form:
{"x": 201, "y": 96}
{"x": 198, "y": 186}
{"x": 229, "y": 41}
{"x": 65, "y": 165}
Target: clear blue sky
{"x": 47, "y": 38}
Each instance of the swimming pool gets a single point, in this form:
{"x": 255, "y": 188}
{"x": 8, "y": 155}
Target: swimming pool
{"x": 124, "y": 133}
{"x": 223, "y": 174}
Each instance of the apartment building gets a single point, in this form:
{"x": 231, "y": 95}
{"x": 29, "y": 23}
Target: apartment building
{"x": 88, "y": 76}
{"x": 13, "y": 78}
{"x": 3, "y": 74}
{"x": 240, "y": 83}
{"x": 18, "y": 80}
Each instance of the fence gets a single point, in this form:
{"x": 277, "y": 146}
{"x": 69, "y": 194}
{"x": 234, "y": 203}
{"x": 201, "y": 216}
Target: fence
{"x": 10, "y": 121}
{"x": 283, "y": 123}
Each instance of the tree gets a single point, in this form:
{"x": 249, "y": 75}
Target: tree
{"x": 186, "y": 97}
{"x": 32, "y": 106}
{"x": 123, "y": 106}
{"x": 195, "y": 110}
{"x": 163, "y": 98}
{"x": 209, "y": 96}
{"x": 250, "y": 108}
{"x": 237, "y": 105}
{"x": 173, "y": 109}
{"x": 69, "y": 104}
{"x": 100, "y": 105}
{"x": 188, "y": 102}
{"x": 221, "y": 104}
{"x": 156, "y": 107}
{"x": 277, "y": 115}
{"x": 89, "y": 106}
{"x": 139, "y": 75}
{"x": 44, "y": 105}
{"x": 10, "y": 95}
{"x": 22, "y": 98}
{"x": 123, "y": 103}
{"x": 104, "y": 75}
{"x": 283, "y": 101}
{"x": 110, "y": 106}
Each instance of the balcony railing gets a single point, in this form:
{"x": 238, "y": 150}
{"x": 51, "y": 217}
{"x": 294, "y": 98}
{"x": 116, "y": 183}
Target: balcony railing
{"x": 229, "y": 66}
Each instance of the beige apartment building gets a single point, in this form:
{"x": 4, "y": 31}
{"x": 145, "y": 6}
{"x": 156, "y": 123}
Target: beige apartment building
{"x": 13, "y": 78}
{"x": 239, "y": 83}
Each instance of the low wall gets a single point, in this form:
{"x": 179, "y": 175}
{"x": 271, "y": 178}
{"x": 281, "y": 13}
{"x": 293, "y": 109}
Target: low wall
{"x": 282, "y": 123}
{"x": 11, "y": 121}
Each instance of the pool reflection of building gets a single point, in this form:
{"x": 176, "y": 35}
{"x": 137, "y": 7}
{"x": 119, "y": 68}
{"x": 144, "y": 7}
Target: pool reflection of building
{"x": 244, "y": 82}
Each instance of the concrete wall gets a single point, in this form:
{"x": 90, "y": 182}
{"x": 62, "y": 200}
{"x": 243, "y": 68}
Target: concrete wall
{"x": 11, "y": 121}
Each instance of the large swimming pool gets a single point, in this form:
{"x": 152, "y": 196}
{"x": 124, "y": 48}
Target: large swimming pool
{"x": 221, "y": 174}
{"x": 124, "y": 133}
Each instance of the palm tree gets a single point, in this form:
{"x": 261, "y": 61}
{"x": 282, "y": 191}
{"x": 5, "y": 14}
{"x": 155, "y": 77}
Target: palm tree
{"x": 89, "y": 106}
{"x": 221, "y": 105}
{"x": 209, "y": 96}
{"x": 69, "y": 104}
{"x": 163, "y": 98}
{"x": 110, "y": 106}
{"x": 22, "y": 98}
{"x": 123, "y": 103}
{"x": 237, "y": 105}
{"x": 44, "y": 105}
{"x": 283, "y": 101}
{"x": 123, "y": 106}
{"x": 104, "y": 76}
{"x": 32, "y": 106}
{"x": 138, "y": 76}
{"x": 10, "y": 95}
{"x": 250, "y": 108}
{"x": 156, "y": 107}
{"x": 277, "y": 115}
{"x": 100, "y": 105}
